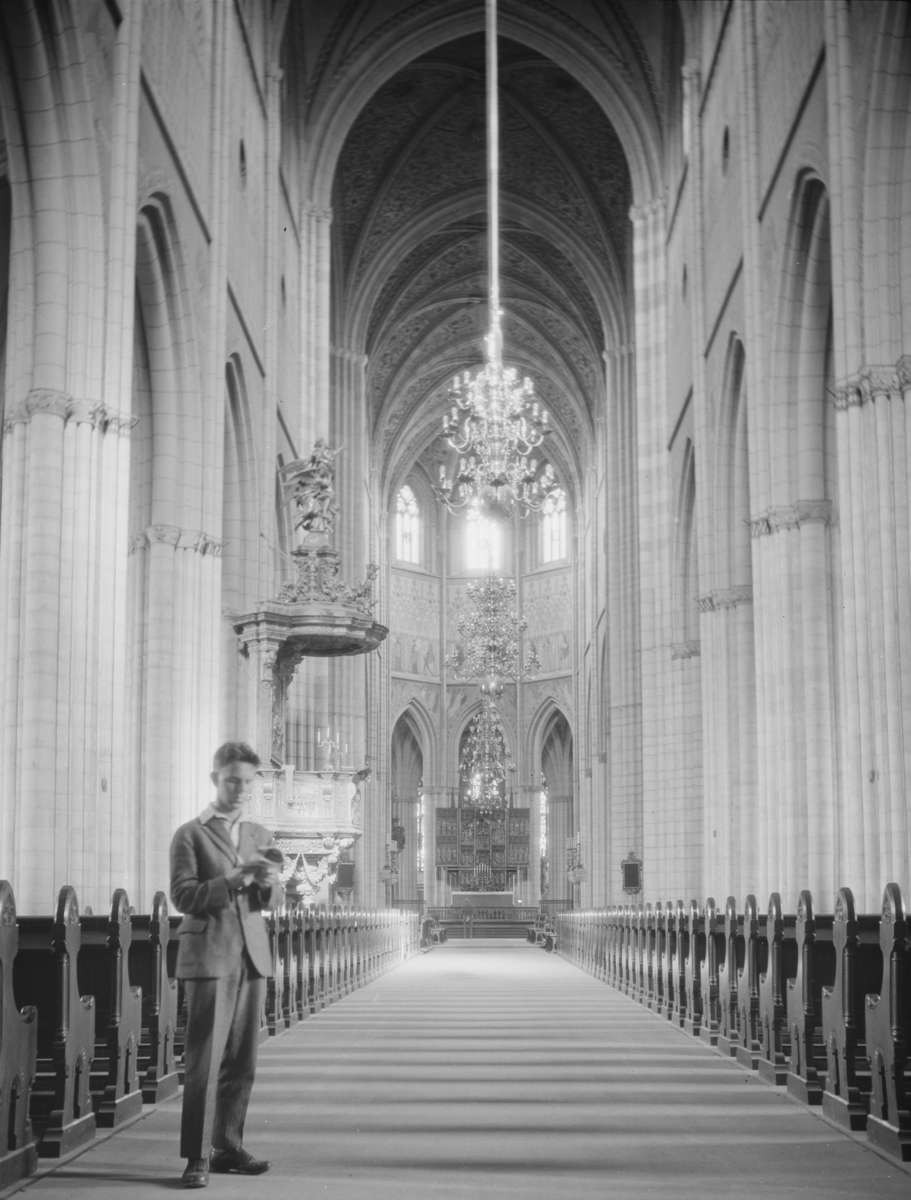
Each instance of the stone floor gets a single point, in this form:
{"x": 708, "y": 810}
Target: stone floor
{"x": 498, "y": 1071}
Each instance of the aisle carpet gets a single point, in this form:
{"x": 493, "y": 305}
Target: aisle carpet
{"x": 497, "y": 1071}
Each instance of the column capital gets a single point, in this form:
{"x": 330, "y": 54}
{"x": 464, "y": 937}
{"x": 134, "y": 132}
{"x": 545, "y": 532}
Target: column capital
{"x": 791, "y": 516}
{"x": 655, "y": 207}
{"x": 180, "y": 539}
{"x": 70, "y": 409}
{"x": 322, "y": 216}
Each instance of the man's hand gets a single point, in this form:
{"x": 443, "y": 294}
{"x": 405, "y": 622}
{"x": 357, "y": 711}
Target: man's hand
{"x": 261, "y": 867}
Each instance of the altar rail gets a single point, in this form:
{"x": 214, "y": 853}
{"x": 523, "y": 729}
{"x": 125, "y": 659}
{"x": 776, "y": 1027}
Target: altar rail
{"x": 518, "y": 916}
{"x": 817, "y": 1002}
{"x": 91, "y": 1024}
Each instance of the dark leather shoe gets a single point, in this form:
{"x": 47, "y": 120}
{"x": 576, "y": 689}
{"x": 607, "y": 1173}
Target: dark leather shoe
{"x": 196, "y": 1173}
{"x": 239, "y": 1161}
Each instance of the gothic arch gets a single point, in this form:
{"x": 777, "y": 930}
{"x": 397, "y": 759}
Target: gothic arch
{"x": 686, "y": 554}
{"x": 423, "y": 728}
{"x": 730, "y": 519}
{"x": 802, "y": 342}
{"x": 886, "y": 203}
{"x": 239, "y": 534}
{"x": 176, "y": 419}
{"x": 352, "y": 82}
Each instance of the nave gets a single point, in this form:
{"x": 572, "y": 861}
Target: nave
{"x": 497, "y": 1071}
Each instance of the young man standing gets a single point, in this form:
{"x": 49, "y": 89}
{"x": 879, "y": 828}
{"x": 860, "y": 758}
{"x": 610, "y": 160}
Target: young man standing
{"x": 224, "y": 873}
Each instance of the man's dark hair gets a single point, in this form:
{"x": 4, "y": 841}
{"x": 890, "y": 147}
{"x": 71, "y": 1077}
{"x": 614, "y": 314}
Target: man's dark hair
{"x": 232, "y": 752}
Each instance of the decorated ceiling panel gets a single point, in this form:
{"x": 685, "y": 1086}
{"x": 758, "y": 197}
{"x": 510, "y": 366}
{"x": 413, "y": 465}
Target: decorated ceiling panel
{"x": 410, "y": 218}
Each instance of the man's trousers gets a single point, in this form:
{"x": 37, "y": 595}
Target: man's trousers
{"x": 222, "y": 1038}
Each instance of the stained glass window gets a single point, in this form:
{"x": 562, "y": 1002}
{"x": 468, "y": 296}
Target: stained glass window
{"x": 407, "y": 527}
{"x": 553, "y": 527}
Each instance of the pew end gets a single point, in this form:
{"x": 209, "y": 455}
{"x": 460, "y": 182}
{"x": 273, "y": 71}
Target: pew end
{"x": 18, "y": 1050}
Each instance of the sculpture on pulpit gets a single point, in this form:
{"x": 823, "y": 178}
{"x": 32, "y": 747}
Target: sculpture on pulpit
{"x": 310, "y": 485}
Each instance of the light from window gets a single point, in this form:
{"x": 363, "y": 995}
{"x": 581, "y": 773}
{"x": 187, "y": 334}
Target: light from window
{"x": 483, "y": 542}
{"x": 407, "y": 527}
{"x": 553, "y": 527}
{"x": 542, "y": 801}
{"x": 421, "y": 830}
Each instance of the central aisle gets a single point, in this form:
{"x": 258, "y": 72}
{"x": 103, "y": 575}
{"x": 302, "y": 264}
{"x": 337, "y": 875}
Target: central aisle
{"x": 497, "y": 1071}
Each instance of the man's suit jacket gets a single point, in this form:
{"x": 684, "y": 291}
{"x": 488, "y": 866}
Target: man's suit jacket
{"x": 218, "y": 924}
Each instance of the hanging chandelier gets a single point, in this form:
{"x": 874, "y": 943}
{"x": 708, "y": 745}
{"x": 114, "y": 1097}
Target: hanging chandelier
{"x": 485, "y": 760}
{"x": 490, "y": 634}
{"x": 495, "y": 423}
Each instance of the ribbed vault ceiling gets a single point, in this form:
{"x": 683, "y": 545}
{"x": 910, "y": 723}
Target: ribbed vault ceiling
{"x": 410, "y": 252}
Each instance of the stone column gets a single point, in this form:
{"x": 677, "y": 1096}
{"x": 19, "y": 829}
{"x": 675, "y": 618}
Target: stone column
{"x": 623, "y": 720}
{"x": 654, "y": 503}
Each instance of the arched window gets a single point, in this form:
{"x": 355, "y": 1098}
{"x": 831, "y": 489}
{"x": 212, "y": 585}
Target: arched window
{"x": 483, "y": 542}
{"x": 553, "y": 527}
{"x": 407, "y": 527}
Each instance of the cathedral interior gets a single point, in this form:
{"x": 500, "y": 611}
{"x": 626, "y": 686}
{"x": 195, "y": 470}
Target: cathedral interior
{"x": 245, "y": 252}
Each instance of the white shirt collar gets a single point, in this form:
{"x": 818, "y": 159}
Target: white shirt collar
{"x": 210, "y": 812}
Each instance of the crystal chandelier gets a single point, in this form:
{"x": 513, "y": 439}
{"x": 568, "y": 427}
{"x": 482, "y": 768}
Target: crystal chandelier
{"x": 485, "y": 760}
{"x": 495, "y": 422}
{"x": 490, "y": 633}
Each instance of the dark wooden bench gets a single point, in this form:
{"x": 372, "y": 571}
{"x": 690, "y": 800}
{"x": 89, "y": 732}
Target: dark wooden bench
{"x": 663, "y": 937}
{"x": 316, "y": 950}
{"x": 149, "y": 970}
{"x": 708, "y": 982}
{"x": 18, "y": 1056}
{"x": 532, "y": 934}
{"x": 888, "y": 1030}
{"x": 730, "y": 965}
{"x": 299, "y": 944}
{"x": 103, "y": 972}
{"x": 695, "y": 964}
{"x": 775, "y": 1036}
{"x": 275, "y": 1022}
{"x": 681, "y": 954}
{"x": 672, "y": 990}
{"x": 44, "y": 975}
{"x": 639, "y": 989}
{"x": 755, "y": 962}
{"x": 858, "y": 972}
{"x": 432, "y": 933}
{"x": 815, "y": 970}
{"x": 288, "y": 948}
{"x": 174, "y": 922}
{"x": 647, "y": 945}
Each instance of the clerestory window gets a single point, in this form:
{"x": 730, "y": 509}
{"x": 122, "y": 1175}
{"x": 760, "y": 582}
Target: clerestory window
{"x": 483, "y": 542}
{"x": 553, "y": 527}
{"x": 407, "y": 527}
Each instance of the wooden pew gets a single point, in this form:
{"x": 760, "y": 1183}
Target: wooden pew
{"x": 316, "y": 986}
{"x": 103, "y": 972}
{"x": 649, "y": 943}
{"x": 681, "y": 954}
{"x": 301, "y": 966}
{"x": 888, "y": 1030}
{"x": 669, "y": 964}
{"x": 44, "y": 975}
{"x": 708, "y": 982}
{"x": 775, "y": 1036}
{"x": 730, "y": 964}
{"x": 755, "y": 961}
{"x": 815, "y": 970}
{"x": 18, "y": 1056}
{"x": 663, "y": 985}
{"x": 287, "y": 953}
{"x": 635, "y": 953}
{"x": 174, "y": 923}
{"x": 275, "y": 1023}
{"x": 695, "y": 964}
{"x": 149, "y": 970}
{"x": 858, "y": 972}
